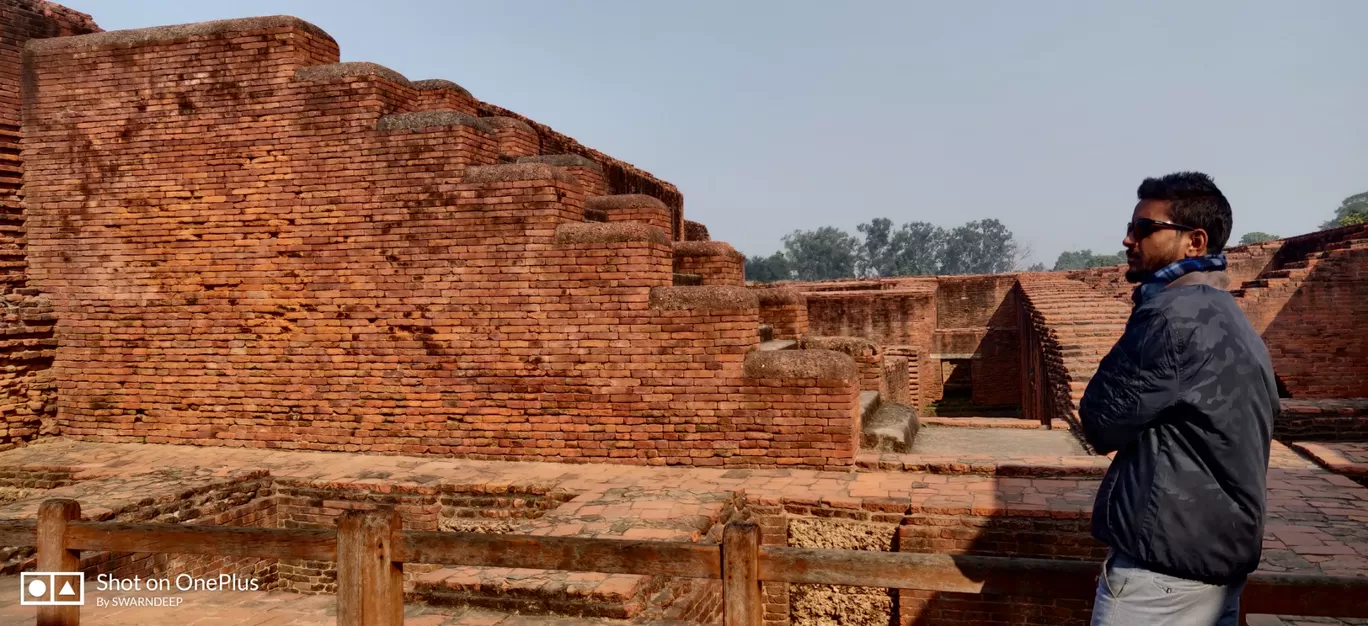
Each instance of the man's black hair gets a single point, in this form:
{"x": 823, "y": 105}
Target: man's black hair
{"x": 1193, "y": 201}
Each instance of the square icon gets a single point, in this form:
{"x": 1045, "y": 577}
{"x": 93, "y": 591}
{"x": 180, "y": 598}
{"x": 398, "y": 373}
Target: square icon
{"x": 51, "y": 588}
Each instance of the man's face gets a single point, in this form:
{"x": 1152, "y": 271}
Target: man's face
{"x": 1161, "y": 247}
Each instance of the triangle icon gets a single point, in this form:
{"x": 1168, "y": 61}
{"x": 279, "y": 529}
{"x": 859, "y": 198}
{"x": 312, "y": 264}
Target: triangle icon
{"x": 66, "y": 589}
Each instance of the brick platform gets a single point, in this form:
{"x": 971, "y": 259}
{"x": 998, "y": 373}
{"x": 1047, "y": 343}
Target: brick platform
{"x": 1318, "y": 521}
{"x": 1341, "y": 457}
{"x": 1343, "y": 419}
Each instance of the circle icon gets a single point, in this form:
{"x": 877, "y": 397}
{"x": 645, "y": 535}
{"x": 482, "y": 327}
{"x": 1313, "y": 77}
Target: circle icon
{"x": 37, "y": 588}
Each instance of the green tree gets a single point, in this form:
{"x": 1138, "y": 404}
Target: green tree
{"x": 979, "y": 247}
{"x": 1257, "y": 237}
{"x": 824, "y": 254}
{"x": 1036, "y": 267}
{"x": 1353, "y": 210}
{"x": 1084, "y": 259}
{"x": 913, "y": 249}
{"x": 918, "y": 248}
{"x": 769, "y": 269}
{"x": 876, "y": 251}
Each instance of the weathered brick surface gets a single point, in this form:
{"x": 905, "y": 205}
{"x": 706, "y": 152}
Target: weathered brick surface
{"x": 904, "y": 315}
{"x": 718, "y": 263}
{"x": 1327, "y": 419}
{"x": 439, "y": 95}
{"x": 1315, "y": 523}
{"x": 372, "y": 279}
{"x": 695, "y": 231}
{"x": 1310, "y": 312}
{"x": 632, "y": 208}
{"x": 868, "y": 360}
{"x": 621, "y": 177}
{"x": 1069, "y": 327}
{"x": 785, "y": 310}
{"x": 963, "y": 329}
{"x": 587, "y": 172}
{"x": 28, "y": 402}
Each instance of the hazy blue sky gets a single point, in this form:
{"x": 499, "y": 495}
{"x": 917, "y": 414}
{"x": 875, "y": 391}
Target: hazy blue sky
{"x": 776, "y": 116}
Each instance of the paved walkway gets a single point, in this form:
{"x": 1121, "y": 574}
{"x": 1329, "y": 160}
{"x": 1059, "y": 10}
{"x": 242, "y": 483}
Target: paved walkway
{"x": 997, "y": 442}
{"x": 1348, "y": 458}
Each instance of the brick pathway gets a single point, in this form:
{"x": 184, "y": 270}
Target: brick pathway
{"x": 1318, "y": 521}
{"x": 1341, "y": 457}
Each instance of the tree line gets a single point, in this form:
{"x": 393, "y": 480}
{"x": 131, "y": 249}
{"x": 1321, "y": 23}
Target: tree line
{"x": 881, "y": 250}
{"x": 925, "y": 249}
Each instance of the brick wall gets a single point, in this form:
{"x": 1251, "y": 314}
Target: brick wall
{"x": 904, "y": 316}
{"x": 332, "y": 269}
{"x": 913, "y": 359}
{"x": 587, "y": 172}
{"x": 718, "y": 263}
{"x": 981, "y": 311}
{"x": 620, "y": 177}
{"x": 1322, "y": 419}
{"x": 785, "y": 310}
{"x": 438, "y": 94}
{"x": 893, "y": 385}
{"x": 631, "y": 208}
{"x": 1309, "y": 311}
{"x": 868, "y": 359}
{"x": 965, "y": 323}
{"x": 27, "y": 393}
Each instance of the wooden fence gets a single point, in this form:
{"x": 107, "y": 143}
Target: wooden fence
{"x": 370, "y": 550}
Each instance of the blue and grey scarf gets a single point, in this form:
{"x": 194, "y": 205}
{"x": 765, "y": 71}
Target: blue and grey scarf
{"x": 1161, "y": 278}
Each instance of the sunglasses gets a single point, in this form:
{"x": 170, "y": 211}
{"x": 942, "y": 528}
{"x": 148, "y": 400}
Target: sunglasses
{"x": 1144, "y": 227}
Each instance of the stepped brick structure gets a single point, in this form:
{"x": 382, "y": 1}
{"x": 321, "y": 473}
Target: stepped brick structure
{"x": 247, "y": 284}
{"x": 385, "y": 277}
{"x": 28, "y": 404}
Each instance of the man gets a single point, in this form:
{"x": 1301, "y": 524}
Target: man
{"x": 1186, "y": 399}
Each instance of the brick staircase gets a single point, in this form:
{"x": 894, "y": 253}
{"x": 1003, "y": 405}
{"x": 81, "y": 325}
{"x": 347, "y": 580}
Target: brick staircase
{"x": 1263, "y": 297}
{"x": 1077, "y": 325}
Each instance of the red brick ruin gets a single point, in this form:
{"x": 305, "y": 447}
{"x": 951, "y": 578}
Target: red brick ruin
{"x": 219, "y": 236}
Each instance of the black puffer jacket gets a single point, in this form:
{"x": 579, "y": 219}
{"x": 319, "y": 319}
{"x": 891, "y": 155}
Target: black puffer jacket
{"x": 1187, "y": 399}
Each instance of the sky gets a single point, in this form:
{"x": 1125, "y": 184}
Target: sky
{"x": 777, "y": 116}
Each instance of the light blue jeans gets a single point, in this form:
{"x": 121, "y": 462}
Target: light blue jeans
{"x": 1128, "y": 595}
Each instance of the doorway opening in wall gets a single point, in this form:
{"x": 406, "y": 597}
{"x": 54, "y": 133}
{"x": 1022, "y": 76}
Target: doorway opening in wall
{"x": 957, "y": 381}
{"x": 958, "y": 377}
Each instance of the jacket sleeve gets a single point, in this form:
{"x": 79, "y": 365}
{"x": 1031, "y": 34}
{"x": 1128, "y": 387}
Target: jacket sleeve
{"x": 1135, "y": 382}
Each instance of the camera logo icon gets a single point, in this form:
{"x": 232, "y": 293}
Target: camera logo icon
{"x": 51, "y": 588}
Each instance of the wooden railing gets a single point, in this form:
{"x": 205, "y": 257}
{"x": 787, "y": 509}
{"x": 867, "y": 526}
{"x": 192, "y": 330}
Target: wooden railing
{"x": 370, "y": 549}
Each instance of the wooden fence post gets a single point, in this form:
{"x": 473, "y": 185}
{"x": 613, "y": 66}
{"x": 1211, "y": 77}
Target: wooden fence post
{"x": 370, "y": 584}
{"x": 53, "y": 556}
{"x": 741, "y": 599}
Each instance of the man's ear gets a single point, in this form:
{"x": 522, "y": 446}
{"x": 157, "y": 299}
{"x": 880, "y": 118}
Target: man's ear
{"x": 1197, "y": 243}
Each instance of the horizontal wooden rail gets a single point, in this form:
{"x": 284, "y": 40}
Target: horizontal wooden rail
{"x": 571, "y": 554}
{"x": 1285, "y": 594}
{"x": 930, "y": 572}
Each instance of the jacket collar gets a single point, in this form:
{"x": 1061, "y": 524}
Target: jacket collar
{"x": 1206, "y": 270}
{"x": 1219, "y": 280}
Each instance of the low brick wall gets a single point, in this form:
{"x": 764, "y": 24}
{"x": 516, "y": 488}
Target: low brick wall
{"x": 785, "y": 310}
{"x": 1325, "y": 419}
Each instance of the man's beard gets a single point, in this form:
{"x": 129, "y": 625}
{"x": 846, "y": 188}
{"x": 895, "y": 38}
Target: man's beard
{"x": 1135, "y": 276}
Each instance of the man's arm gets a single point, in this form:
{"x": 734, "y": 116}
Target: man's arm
{"x": 1136, "y": 381}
